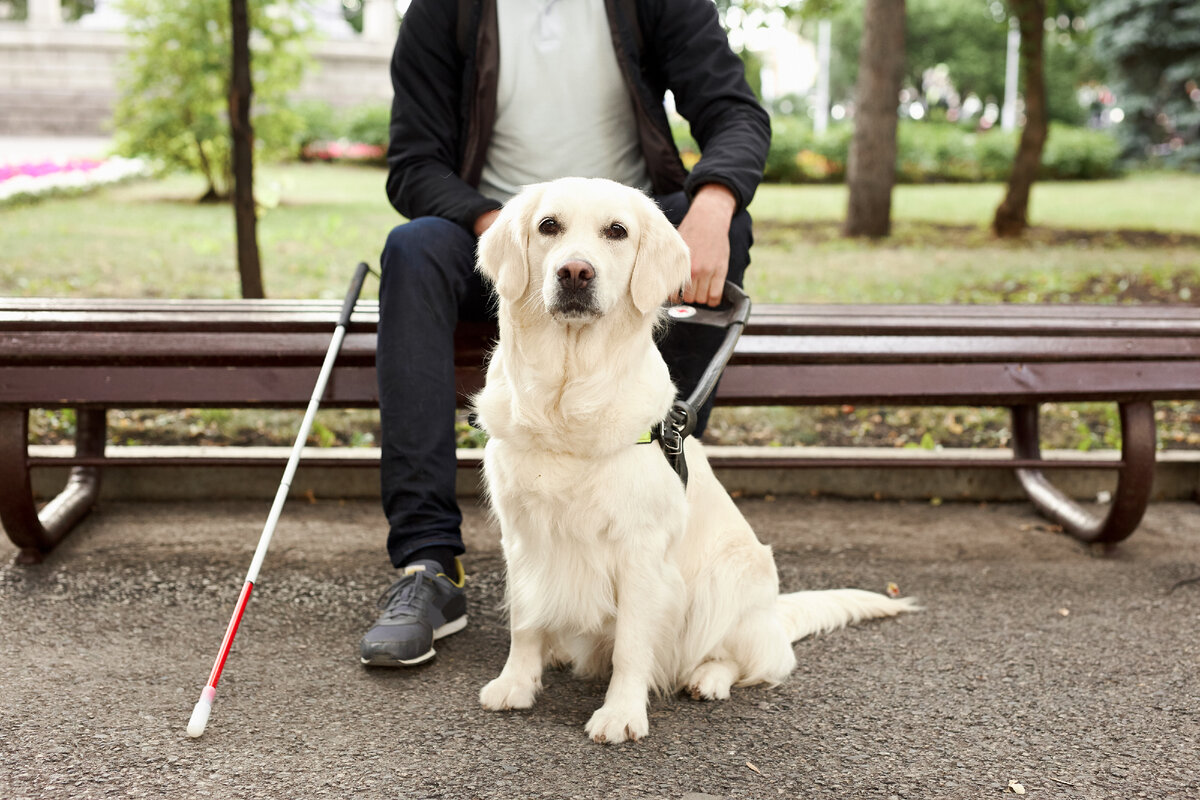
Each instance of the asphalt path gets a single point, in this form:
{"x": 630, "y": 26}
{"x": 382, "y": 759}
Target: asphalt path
{"x": 1039, "y": 664}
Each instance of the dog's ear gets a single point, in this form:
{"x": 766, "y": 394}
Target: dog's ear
{"x": 663, "y": 264}
{"x": 504, "y": 247}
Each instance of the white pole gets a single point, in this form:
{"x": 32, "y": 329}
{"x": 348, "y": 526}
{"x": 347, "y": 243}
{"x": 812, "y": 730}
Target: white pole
{"x": 821, "y": 104}
{"x": 1008, "y": 112}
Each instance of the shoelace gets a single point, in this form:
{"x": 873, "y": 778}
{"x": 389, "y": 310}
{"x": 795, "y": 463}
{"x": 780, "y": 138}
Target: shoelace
{"x": 402, "y": 594}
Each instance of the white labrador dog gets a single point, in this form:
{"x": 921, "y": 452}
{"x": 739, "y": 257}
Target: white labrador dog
{"x": 612, "y": 566}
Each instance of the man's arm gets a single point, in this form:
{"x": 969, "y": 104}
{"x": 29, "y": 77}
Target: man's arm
{"x": 423, "y": 149}
{"x": 734, "y": 133}
{"x": 705, "y": 229}
{"x": 708, "y": 82}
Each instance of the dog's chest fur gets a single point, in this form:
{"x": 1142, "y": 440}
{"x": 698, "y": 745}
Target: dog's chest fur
{"x": 576, "y": 497}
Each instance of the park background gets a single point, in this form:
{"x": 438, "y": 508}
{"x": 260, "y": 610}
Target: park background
{"x": 1039, "y": 664}
{"x": 137, "y": 207}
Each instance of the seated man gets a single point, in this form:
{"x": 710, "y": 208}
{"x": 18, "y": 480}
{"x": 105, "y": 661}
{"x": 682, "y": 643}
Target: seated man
{"x": 492, "y": 95}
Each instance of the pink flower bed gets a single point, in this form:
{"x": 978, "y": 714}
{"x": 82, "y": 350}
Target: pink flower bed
{"x": 342, "y": 151}
{"x": 38, "y": 169}
{"x": 70, "y": 176}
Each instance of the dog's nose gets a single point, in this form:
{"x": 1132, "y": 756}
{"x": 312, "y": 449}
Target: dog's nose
{"x": 575, "y": 275}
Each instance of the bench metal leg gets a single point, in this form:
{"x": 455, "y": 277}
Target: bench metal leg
{"x": 38, "y": 533}
{"x": 1135, "y": 479}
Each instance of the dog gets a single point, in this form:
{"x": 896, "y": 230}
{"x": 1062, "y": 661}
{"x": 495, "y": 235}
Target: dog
{"x": 613, "y": 566}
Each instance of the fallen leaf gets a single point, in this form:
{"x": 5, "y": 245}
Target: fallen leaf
{"x": 751, "y": 766}
{"x": 1039, "y": 526}
{"x": 1016, "y": 788}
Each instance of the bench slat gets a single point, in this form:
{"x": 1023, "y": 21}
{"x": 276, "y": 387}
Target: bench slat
{"x": 883, "y": 312}
{"x": 300, "y": 315}
{"x": 996, "y": 384}
{"x": 244, "y": 349}
{"x": 957, "y": 384}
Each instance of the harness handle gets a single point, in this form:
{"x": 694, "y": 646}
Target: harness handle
{"x": 681, "y": 419}
{"x": 731, "y": 315}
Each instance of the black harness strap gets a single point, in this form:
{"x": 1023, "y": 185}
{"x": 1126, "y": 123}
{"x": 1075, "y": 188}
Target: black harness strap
{"x": 681, "y": 419}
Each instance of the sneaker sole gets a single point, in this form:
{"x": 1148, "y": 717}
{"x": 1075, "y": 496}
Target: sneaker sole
{"x": 454, "y": 626}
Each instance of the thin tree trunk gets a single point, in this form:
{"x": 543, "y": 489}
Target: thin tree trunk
{"x": 1012, "y": 216}
{"x": 871, "y": 168}
{"x": 240, "y": 90}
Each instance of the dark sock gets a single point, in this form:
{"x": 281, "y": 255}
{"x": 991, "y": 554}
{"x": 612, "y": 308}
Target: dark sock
{"x": 442, "y": 555}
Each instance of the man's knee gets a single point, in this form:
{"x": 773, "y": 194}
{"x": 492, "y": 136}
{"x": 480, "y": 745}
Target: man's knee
{"x": 424, "y": 237}
{"x": 425, "y": 252}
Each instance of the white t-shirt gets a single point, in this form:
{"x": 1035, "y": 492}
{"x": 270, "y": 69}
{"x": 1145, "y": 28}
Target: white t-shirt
{"x": 562, "y": 106}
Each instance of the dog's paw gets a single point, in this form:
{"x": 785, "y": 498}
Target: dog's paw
{"x": 712, "y": 680}
{"x": 613, "y": 726}
{"x": 504, "y": 694}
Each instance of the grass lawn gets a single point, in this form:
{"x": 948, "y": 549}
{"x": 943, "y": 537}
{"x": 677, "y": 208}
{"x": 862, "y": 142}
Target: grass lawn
{"x": 151, "y": 239}
{"x": 1133, "y": 240}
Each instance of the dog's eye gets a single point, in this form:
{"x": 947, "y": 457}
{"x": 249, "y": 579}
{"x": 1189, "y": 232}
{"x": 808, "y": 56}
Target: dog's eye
{"x": 615, "y": 231}
{"x": 549, "y": 227}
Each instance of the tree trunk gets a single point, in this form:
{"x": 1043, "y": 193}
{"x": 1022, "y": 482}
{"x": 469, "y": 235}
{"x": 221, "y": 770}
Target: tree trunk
{"x": 871, "y": 168}
{"x": 242, "y": 132}
{"x": 1012, "y": 216}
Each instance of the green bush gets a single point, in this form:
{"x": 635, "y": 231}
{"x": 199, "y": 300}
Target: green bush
{"x": 321, "y": 123}
{"x": 1079, "y": 154}
{"x": 929, "y": 152}
{"x": 799, "y": 155}
{"x": 318, "y": 123}
{"x": 369, "y": 125}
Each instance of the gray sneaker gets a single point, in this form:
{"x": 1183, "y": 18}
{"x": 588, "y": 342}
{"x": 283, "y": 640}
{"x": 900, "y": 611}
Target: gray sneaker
{"x": 422, "y": 606}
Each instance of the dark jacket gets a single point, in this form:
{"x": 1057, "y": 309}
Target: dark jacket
{"x": 445, "y": 71}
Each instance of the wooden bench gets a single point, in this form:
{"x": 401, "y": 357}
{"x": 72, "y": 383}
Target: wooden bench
{"x": 91, "y": 355}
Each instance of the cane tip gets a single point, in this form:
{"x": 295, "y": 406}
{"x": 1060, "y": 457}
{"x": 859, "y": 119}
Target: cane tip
{"x": 199, "y": 720}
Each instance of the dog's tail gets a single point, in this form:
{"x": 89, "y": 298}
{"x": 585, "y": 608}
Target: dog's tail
{"x": 808, "y": 613}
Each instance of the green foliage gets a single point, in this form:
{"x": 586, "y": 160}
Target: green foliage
{"x": 799, "y": 155}
{"x": 965, "y": 35}
{"x": 173, "y": 106}
{"x": 1079, "y": 154}
{"x": 969, "y": 38}
{"x": 369, "y": 124}
{"x": 930, "y": 152}
{"x": 1154, "y": 49}
{"x": 318, "y": 122}
{"x": 1070, "y": 62}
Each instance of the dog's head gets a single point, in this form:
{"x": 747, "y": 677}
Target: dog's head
{"x": 584, "y": 248}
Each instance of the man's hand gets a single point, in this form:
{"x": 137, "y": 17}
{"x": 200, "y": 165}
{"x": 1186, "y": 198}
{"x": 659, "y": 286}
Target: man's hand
{"x": 485, "y": 221}
{"x": 705, "y": 228}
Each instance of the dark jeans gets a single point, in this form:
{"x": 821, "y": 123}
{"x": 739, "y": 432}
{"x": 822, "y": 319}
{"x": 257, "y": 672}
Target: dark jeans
{"x": 428, "y": 284}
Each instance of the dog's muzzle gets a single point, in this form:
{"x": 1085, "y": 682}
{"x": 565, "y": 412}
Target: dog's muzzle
{"x": 576, "y": 294}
